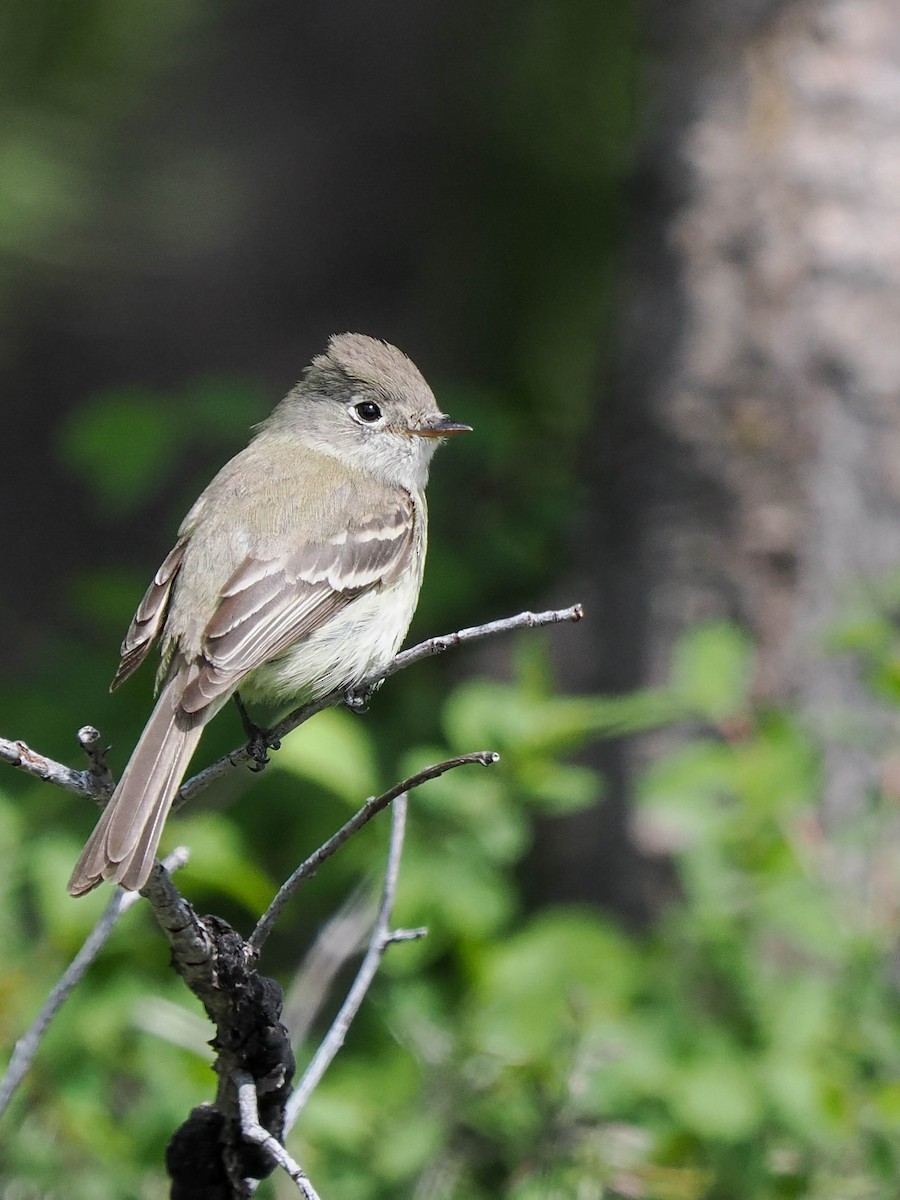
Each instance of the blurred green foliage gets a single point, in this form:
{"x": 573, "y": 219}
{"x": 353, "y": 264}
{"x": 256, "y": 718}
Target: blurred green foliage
{"x": 748, "y": 1045}
{"x": 71, "y": 72}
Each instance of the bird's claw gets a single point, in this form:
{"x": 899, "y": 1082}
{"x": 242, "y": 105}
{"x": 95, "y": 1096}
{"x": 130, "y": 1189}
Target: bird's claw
{"x": 357, "y": 699}
{"x": 258, "y": 749}
{"x": 258, "y": 740}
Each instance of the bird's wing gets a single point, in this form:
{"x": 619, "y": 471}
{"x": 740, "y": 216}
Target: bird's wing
{"x": 150, "y": 615}
{"x": 269, "y": 603}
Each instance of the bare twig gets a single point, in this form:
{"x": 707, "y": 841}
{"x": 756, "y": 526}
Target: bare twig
{"x": 381, "y": 938}
{"x": 371, "y": 808}
{"x": 26, "y": 1047}
{"x": 341, "y": 937}
{"x": 220, "y": 969}
{"x": 190, "y": 941}
{"x": 219, "y": 966}
{"x": 258, "y": 1135}
{"x": 407, "y": 658}
{"x": 92, "y": 744}
{"x": 17, "y": 754}
{"x": 475, "y": 633}
{"x": 93, "y": 782}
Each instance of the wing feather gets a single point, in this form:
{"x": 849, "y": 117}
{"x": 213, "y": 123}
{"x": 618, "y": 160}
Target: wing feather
{"x": 150, "y": 615}
{"x": 268, "y": 604}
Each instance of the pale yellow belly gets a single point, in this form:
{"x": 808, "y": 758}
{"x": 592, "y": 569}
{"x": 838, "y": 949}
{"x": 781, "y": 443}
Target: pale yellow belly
{"x": 351, "y": 645}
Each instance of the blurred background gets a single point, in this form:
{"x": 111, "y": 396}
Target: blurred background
{"x": 650, "y": 252}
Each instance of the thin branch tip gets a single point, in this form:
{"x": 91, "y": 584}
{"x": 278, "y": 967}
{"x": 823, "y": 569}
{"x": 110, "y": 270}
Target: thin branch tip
{"x": 364, "y": 814}
{"x": 256, "y": 1134}
{"x": 189, "y": 937}
{"x": 382, "y": 937}
{"x": 406, "y": 658}
{"x": 91, "y": 742}
{"x": 96, "y": 782}
{"x": 177, "y": 858}
{"x": 27, "y": 1046}
{"x": 406, "y": 935}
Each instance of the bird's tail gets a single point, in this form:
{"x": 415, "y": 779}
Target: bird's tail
{"x": 123, "y": 845}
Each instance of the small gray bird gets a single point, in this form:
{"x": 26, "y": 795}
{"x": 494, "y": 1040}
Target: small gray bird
{"x": 297, "y": 572}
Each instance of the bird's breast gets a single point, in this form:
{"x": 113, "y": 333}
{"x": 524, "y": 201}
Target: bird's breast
{"x": 354, "y": 643}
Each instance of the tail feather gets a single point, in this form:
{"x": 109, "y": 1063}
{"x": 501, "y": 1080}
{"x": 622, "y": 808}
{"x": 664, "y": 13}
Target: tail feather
{"x": 123, "y": 845}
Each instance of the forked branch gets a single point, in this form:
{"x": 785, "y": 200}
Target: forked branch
{"x": 95, "y": 781}
{"x": 373, "y": 806}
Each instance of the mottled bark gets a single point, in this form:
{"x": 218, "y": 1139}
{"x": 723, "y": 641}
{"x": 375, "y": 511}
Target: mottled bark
{"x": 752, "y": 469}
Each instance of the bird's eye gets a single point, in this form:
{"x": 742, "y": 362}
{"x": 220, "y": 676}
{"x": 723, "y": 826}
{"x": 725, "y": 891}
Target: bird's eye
{"x": 368, "y": 411}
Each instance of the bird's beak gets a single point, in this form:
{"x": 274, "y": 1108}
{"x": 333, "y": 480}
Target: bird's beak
{"x": 438, "y": 427}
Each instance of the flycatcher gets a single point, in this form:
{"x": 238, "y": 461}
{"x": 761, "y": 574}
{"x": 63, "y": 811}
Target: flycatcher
{"x": 296, "y": 573}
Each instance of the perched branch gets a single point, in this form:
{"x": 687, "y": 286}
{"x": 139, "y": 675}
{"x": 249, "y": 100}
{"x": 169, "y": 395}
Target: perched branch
{"x": 91, "y": 742}
{"x": 407, "y": 658}
{"x": 241, "y": 1135}
{"x": 188, "y": 938}
{"x": 220, "y": 969}
{"x": 381, "y": 938}
{"x": 371, "y": 808}
{"x": 260, "y": 1136}
{"x": 27, "y": 1046}
{"x": 475, "y": 633}
{"x": 95, "y": 783}
{"x": 17, "y": 754}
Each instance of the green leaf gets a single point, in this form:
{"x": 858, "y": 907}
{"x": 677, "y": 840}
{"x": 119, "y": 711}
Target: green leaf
{"x": 473, "y": 899}
{"x": 560, "y": 787}
{"x": 474, "y": 800}
{"x": 218, "y": 859}
{"x": 683, "y": 790}
{"x": 887, "y": 1099}
{"x": 335, "y": 750}
{"x": 712, "y": 669}
{"x": 66, "y": 921}
{"x": 717, "y": 1096}
{"x": 561, "y": 971}
{"x": 485, "y": 712}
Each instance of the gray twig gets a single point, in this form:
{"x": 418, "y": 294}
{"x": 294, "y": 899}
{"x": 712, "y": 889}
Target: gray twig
{"x": 92, "y": 744}
{"x": 216, "y": 963}
{"x": 407, "y": 658}
{"x": 192, "y": 946}
{"x": 219, "y": 967}
{"x": 27, "y": 1046}
{"x": 341, "y": 938}
{"x": 93, "y": 783}
{"x": 382, "y": 937}
{"x": 17, "y": 754}
{"x": 475, "y": 633}
{"x": 361, "y": 817}
{"x": 258, "y": 1135}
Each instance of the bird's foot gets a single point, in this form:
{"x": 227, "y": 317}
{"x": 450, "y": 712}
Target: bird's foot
{"x": 258, "y": 740}
{"x": 258, "y": 749}
{"x": 357, "y": 698}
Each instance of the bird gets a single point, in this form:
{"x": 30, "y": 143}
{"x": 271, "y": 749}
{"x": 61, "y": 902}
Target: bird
{"x": 295, "y": 573}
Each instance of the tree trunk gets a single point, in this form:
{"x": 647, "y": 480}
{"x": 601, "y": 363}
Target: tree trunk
{"x": 752, "y": 461}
